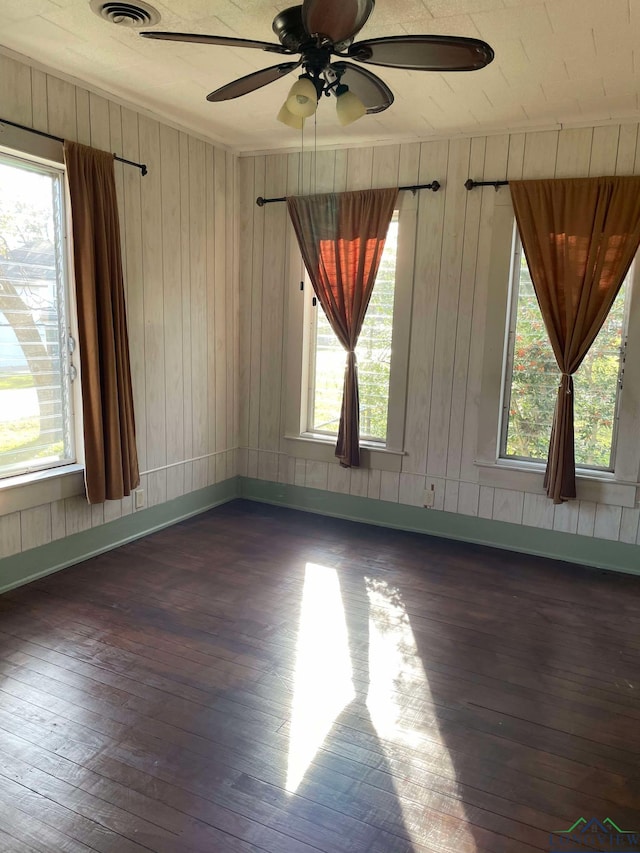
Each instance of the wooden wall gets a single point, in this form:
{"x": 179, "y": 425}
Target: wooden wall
{"x": 179, "y": 240}
{"x": 451, "y": 271}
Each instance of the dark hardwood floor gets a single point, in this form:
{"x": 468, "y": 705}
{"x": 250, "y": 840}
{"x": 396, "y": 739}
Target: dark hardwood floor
{"x": 257, "y": 679}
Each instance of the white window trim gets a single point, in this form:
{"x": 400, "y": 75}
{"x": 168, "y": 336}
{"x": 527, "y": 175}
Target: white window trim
{"x": 378, "y": 455}
{"x": 65, "y": 480}
{"x": 617, "y": 488}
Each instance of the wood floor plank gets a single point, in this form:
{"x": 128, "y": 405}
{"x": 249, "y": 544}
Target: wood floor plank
{"x": 148, "y": 696}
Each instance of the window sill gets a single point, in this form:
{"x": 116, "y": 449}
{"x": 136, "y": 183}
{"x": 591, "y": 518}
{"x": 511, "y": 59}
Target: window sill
{"x": 323, "y": 450}
{"x": 597, "y": 486}
{"x": 40, "y": 487}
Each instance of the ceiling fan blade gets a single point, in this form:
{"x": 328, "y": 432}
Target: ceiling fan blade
{"x": 339, "y": 20}
{"x": 244, "y": 85}
{"x": 372, "y": 91}
{"x": 424, "y": 53}
{"x": 223, "y": 41}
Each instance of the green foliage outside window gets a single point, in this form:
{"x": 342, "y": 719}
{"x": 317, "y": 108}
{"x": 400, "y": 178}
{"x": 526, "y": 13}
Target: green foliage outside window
{"x": 535, "y": 379}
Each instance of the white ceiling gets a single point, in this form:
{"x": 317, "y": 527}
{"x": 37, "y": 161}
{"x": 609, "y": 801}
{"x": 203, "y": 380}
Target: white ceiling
{"x": 560, "y": 61}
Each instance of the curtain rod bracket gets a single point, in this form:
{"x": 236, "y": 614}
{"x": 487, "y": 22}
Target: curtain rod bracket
{"x": 470, "y": 184}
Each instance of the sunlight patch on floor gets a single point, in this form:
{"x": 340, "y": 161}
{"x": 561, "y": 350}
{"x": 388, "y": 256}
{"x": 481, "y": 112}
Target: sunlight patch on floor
{"x": 323, "y": 675}
{"x": 402, "y": 711}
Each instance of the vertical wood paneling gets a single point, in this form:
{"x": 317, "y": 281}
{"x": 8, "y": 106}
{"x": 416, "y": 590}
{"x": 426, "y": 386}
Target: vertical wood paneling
{"x": 272, "y": 315}
{"x": 468, "y": 497}
{"x": 172, "y": 304}
{"x": 15, "y": 91}
{"x": 247, "y": 210}
{"x": 447, "y": 309}
{"x": 166, "y": 229}
{"x": 500, "y": 156}
{"x": 185, "y": 273}
{"x": 433, "y": 163}
{"x": 231, "y": 283}
{"x": 61, "y": 108}
{"x": 386, "y": 162}
{"x": 627, "y": 142}
{"x": 83, "y": 117}
{"x": 373, "y": 489}
{"x": 221, "y": 342}
{"x": 153, "y": 296}
{"x": 574, "y": 152}
{"x": 538, "y": 511}
{"x": 254, "y": 342}
{"x": 389, "y": 486}
{"x": 35, "y": 526}
{"x": 340, "y": 171}
{"x": 115, "y": 144}
{"x": 99, "y": 122}
{"x": 516, "y": 157}
{"x": 293, "y": 309}
{"x": 540, "y": 151}
{"x": 40, "y": 118}
{"x": 135, "y": 279}
{"x": 565, "y": 517}
{"x": 604, "y": 150}
{"x": 465, "y": 316}
{"x": 210, "y": 236}
{"x": 324, "y": 172}
{"x": 198, "y": 325}
{"x": 359, "y": 168}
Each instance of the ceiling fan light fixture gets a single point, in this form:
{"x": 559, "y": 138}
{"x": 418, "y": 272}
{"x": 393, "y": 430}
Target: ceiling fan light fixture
{"x": 289, "y": 118}
{"x": 302, "y": 99}
{"x": 349, "y": 107}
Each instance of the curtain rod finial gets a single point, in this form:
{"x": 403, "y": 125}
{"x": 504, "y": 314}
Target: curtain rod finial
{"x": 260, "y": 201}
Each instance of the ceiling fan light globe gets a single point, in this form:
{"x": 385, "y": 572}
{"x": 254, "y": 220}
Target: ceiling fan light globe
{"x": 349, "y": 108}
{"x": 303, "y": 98}
{"x": 288, "y": 118}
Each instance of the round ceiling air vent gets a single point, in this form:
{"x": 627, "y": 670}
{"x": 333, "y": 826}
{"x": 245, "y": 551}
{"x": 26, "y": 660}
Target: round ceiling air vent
{"x": 138, "y": 14}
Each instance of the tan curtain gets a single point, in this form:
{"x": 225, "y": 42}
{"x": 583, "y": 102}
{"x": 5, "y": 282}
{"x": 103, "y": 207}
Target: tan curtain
{"x": 111, "y": 459}
{"x": 579, "y": 236}
{"x": 341, "y": 237}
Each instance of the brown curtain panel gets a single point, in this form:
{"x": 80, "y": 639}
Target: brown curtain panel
{"x": 111, "y": 459}
{"x": 579, "y": 236}
{"x": 341, "y": 237}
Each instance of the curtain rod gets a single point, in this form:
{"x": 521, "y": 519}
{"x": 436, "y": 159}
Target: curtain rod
{"x": 140, "y": 166}
{"x": 470, "y": 185}
{"x": 434, "y": 186}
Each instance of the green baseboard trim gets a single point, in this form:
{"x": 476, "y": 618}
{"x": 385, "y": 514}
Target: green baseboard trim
{"x": 30, "y": 565}
{"x": 570, "y": 547}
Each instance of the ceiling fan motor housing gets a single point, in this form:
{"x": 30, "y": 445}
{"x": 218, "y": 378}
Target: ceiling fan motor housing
{"x": 288, "y": 27}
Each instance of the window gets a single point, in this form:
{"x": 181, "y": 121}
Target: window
{"x": 327, "y": 358}
{"x": 36, "y": 416}
{"x": 531, "y": 380}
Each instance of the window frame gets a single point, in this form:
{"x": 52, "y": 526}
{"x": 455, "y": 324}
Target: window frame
{"x": 311, "y": 336}
{"x": 509, "y": 344}
{"x": 619, "y": 487}
{"x": 297, "y": 440}
{"x": 64, "y": 479}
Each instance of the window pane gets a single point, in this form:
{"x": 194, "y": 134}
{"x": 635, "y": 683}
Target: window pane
{"x": 35, "y": 418}
{"x": 535, "y": 379}
{"x": 373, "y": 352}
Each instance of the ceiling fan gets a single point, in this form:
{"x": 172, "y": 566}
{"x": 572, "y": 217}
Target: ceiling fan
{"x": 321, "y": 29}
